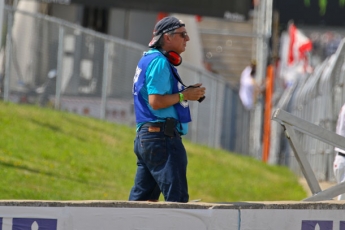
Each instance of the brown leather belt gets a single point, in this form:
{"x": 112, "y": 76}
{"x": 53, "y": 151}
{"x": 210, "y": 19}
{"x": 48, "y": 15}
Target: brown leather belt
{"x": 154, "y": 127}
{"x": 169, "y": 127}
{"x": 154, "y": 124}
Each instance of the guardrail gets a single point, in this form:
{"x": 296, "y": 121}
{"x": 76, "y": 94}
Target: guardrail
{"x": 291, "y": 123}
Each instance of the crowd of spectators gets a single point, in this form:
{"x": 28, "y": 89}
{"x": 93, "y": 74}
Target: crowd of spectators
{"x": 324, "y": 45}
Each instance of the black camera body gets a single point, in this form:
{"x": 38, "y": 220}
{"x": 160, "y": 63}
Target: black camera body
{"x": 201, "y": 98}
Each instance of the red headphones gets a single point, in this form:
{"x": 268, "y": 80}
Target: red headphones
{"x": 173, "y": 57}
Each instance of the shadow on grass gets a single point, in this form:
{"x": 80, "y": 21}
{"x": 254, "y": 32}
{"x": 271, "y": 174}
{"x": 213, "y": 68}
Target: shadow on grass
{"x": 25, "y": 168}
{"x": 55, "y": 128}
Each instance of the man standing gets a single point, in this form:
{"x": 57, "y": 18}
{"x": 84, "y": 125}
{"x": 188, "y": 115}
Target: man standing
{"x": 162, "y": 116}
{"x": 339, "y": 160}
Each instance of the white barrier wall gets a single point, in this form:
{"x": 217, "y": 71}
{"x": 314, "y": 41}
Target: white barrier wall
{"x": 41, "y": 215}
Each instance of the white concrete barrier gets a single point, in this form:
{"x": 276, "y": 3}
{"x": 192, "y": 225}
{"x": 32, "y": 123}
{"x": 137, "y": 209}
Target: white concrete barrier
{"x": 123, "y": 215}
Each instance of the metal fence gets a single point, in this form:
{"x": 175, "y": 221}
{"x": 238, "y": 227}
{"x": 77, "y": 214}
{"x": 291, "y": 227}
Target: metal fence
{"x": 317, "y": 98}
{"x": 53, "y": 63}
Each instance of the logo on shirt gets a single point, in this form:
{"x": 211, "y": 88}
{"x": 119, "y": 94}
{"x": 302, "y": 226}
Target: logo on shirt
{"x": 184, "y": 104}
{"x": 180, "y": 87}
{"x": 135, "y": 79}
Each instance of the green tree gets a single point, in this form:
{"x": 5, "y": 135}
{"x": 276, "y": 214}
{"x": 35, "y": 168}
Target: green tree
{"x": 307, "y": 3}
{"x": 341, "y": 3}
{"x": 323, "y": 5}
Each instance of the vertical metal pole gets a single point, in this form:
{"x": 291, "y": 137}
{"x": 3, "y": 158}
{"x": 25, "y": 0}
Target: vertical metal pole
{"x": 8, "y": 57}
{"x": 1, "y": 22}
{"x": 59, "y": 67}
{"x": 264, "y": 31}
{"x": 212, "y": 129}
{"x": 302, "y": 160}
{"x": 267, "y": 32}
{"x": 195, "y": 114}
{"x": 259, "y": 44}
{"x": 219, "y": 116}
{"x": 269, "y": 13}
{"x": 2, "y": 4}
{"x": 255, "y": 114}
{"x": 105, "y": 80}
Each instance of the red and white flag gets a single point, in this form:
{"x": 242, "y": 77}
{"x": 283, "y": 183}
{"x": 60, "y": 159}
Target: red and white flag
{"x": 299, "y": 45}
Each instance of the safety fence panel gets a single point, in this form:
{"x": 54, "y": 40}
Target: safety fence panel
{"x": 317, "y": 98}
{"x": 50, "y": 62}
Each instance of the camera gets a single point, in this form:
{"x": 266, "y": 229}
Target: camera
{"x": 201, "y": 98}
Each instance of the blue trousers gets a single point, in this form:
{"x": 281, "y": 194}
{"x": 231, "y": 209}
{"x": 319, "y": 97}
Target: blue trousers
{"x": 161, "y": 167}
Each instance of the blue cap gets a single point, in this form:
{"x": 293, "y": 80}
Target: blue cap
{"x": 163, "y": 26}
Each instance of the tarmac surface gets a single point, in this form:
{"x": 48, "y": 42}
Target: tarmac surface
{"x": 323, "y": 184}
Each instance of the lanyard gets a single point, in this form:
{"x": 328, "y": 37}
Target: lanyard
{"x": 191, "y": 86}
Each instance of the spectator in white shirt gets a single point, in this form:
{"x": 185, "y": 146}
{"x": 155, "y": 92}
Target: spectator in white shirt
{"x": 249, "y": 89}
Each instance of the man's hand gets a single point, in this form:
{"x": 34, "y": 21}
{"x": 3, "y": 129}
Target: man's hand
{"x": 194, "y": 92}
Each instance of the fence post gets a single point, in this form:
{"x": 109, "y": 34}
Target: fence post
{"x": 267, "y": 114}
{"x": 264, "y": 21}
{"x": 2, "y": 10}
{"x": 194, "y": 125}
{"x": 213, "y": 118}
{"x": 105, "y": 80}
{"x": 8, "y": 57}
{"x": 2, "y": 4}
{"x": 59, "y": 67}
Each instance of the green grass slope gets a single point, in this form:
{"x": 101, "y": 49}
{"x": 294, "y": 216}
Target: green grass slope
{"x": 54, "y": 155}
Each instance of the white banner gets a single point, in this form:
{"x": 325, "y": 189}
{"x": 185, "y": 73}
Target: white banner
{"x": 108, "y": 218}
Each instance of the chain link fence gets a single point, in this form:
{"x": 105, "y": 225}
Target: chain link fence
{"x": 52, "y": 63}
{"x": 317, "y": 98}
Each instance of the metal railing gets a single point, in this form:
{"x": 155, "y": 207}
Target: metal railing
{"x": 50, "y": 62}
{"x": 291, "y": 124}
{"x": 317, "y": 98}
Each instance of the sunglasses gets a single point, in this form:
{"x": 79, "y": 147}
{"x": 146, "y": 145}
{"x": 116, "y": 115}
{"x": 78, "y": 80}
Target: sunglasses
{"x": 182, "y": 34}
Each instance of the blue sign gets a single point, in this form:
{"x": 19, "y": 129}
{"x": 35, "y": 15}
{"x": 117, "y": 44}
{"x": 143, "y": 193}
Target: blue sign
{"x": 317, "y": 224}
{"x": 32, "y": 224}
